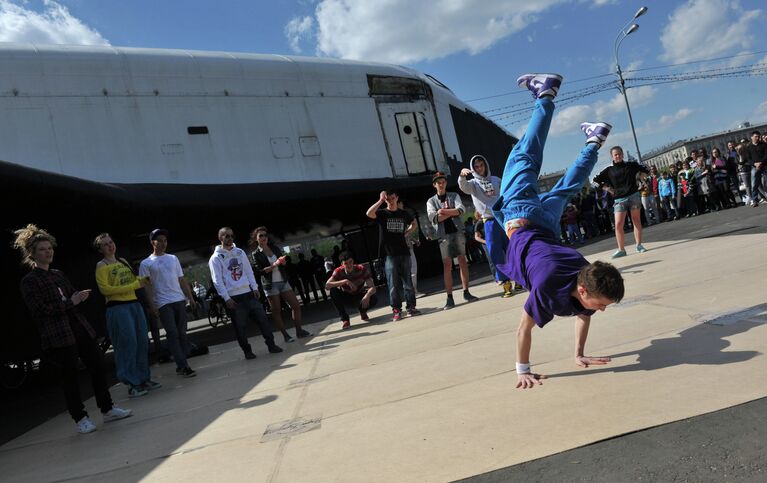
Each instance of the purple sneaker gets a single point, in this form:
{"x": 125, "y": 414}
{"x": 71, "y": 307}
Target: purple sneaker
{"x": 596, "y": 132}
{"x": 541, "y": 84}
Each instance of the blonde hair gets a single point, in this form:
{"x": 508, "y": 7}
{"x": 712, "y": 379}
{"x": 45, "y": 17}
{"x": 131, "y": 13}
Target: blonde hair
{"x": 26, "y": 240}
{"x": 100, "y": 238}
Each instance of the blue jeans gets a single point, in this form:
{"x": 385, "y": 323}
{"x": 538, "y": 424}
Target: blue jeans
{"x": 496, "y": 241}
{"x": 126, "y": 326}
{"x": 519, "y": 185}
{"x": 398, "y": 279}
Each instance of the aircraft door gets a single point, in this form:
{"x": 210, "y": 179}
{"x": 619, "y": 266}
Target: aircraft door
{"x": 415, "y": 142}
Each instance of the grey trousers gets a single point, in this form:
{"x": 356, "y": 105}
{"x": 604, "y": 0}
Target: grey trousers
{"x": 173, "y": 318}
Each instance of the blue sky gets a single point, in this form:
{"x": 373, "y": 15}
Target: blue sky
{"x": 476, "y": 47}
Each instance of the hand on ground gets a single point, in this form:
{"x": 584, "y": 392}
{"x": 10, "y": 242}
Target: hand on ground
{"x": 529, "y": 380}
{"x": 585, "y": 361}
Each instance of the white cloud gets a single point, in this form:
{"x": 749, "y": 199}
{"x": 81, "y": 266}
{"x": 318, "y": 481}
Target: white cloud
{"x": 297, "y": 29}
{"x": 404, "y": 31}
{"x": 569, "y": 119}
{"x": 760, "y": 111}
{"x": 54, "y": 25}
{"x": 668, "y": 120}
{"x": 652, "y": 126}
{"x": 687, "y": 36}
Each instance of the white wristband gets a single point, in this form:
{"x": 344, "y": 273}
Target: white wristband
{"x": 523, "y": 368}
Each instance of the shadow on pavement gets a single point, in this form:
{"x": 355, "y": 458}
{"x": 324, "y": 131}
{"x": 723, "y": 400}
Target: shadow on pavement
{"x": 702, "y": 344}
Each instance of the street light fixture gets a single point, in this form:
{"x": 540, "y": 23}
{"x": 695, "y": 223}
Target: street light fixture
{"x": 622, "y": 34}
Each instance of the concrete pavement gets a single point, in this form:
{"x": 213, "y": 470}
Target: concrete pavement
{"x": 432, "y": 398}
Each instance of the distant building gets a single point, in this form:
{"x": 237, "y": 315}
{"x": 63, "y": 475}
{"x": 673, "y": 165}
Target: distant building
{"x": 547, "y": 181}
{"x": 678, "y": 151}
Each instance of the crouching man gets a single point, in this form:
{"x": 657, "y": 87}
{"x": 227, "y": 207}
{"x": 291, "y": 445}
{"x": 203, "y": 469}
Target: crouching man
{"x": 351, "y": 284}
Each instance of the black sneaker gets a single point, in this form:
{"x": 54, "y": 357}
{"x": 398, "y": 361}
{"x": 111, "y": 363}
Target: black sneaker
{"x": 302, "y": 333}
{"x": 450, "y": 303}
{"x": 250, "y": 355}
{"x": 469, "y": 297}
{"x": 275, "y": 349}
{"x": 186, "y": 372}
{"x": 412, "y": 312}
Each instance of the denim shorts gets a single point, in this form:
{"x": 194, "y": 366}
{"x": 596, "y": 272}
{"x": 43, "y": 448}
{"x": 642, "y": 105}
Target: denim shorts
{"x": 453, "y": 245}
{"x": 629, "y": 203}
{"x": 277, "y": 288}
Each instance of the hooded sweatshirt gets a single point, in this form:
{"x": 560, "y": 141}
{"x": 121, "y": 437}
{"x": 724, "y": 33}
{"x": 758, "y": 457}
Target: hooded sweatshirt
{"x": 231, "y": 272}
{"x": 484, "y": 190}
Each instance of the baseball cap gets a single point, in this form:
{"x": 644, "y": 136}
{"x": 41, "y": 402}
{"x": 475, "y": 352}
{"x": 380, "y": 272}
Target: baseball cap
{"x": 438, "y": 175}
{"x": 157, "y": 232}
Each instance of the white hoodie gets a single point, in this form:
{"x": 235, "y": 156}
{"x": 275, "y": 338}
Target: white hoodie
{"x": 484, "y": 190}
{"x": 231, "y": 272}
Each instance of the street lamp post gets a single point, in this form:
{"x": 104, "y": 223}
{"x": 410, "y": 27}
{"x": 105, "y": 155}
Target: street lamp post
{"x": 622, "y": 34}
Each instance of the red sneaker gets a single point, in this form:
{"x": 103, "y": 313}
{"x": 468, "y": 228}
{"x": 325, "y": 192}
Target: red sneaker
{"x": 396, "y": 315}
{"x": 345, "y": 325}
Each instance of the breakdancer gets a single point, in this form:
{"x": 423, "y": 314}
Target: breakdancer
{"x": 561, "y": 282}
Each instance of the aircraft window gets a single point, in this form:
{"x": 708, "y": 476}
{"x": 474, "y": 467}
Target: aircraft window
{"x": 407, "y": 129}
{"x": 197, "y": 130}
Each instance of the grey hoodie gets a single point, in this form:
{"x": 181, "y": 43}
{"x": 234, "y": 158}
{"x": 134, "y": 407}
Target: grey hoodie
{"x": 484, "y": 190}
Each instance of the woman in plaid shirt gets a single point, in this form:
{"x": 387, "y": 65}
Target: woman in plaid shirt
{"x": 65, "y": 335}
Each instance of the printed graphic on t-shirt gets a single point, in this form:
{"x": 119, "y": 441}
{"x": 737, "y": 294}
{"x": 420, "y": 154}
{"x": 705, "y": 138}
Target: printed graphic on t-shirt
{"x": 235, "y": 269}
{"x": 395, "y": 225}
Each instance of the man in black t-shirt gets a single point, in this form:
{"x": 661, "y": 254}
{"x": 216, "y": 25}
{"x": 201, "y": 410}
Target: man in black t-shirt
{"x": 394, "y": 224}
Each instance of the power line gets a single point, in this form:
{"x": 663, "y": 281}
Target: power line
{"x": 715, "y": 59}
{"x": 753, "y": 70}
{"x": 511, "y": 93}
{"x": 697, "y": 61}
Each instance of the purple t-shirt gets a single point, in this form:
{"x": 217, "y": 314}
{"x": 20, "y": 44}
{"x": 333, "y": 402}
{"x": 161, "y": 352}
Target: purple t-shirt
{"x": 548, "y": 269}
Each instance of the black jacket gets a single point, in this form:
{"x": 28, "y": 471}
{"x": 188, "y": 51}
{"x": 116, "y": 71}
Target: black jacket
{"x": 260, "y": 262}
{"x": 755, "y": 153}
{"x": 621, "y": 177}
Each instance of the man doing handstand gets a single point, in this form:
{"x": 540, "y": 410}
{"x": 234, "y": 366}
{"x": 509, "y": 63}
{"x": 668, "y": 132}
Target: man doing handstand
{"x": 561, "y": 282}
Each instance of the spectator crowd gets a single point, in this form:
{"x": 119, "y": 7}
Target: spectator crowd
{"x": 245, "y": 280}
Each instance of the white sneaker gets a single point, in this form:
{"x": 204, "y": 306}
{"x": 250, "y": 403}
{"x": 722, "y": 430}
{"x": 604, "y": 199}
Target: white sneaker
{"x": 117, "y": 413}
{"x": 85, "y": 425}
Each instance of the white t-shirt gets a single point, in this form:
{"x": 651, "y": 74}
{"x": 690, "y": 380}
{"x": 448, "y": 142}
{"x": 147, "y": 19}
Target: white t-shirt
{"x": 164, "y": 272}
{"x": 276, "y": 274}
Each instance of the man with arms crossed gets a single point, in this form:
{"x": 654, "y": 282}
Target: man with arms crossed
{"x": 561, "y": 282}
{"x": 444, "y": 210}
